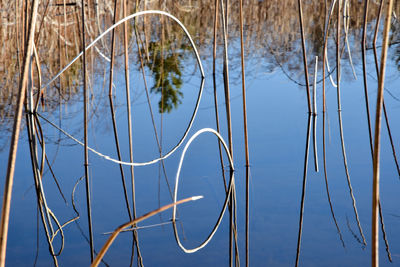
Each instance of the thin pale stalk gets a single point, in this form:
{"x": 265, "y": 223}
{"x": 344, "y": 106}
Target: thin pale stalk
{"x": 338, "y": 73}
{"x": 323, "y": 127}
{"x": 315, "y": 115}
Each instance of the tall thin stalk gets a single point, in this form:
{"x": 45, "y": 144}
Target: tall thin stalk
{"x": 377, "y": 145}
{"x": 338, "y": 73}
{"x": 128, "y": 110}
{"x": 324, "y": 122}
{"x": 228, "y": 114}
{"x": 364, "y": 62}
{"x": 5, "y": 212}
{"x": 363, "y": 47}
{"x": 85, "y": 130}
{"x": 377, "y": 73}
{"x": 215, "y": 92}
{"x": 303, "y": 191}
{"x": 110, "y": 96}
{"x": 303, "y": 45}
{"x": 246, "y": 142}
{"x": 314, "y": 114}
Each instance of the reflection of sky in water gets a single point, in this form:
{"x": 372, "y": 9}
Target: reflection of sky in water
{"x": 277, "y": 122}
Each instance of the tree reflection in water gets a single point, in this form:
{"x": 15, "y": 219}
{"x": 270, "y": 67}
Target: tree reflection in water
{"x": 165, "y": 63}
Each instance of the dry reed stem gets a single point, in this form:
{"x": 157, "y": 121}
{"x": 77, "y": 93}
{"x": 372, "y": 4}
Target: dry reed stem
{"x": 85, "y": 130}
{"x": 363, "y": 47}
{"x": 224, "y": 18}
{"x": 303, "y": 191}
{"x": 338, "y": 74}
{"x": 364, "y": 62}
{"x": 114, "y": 235}
{"x": 377, "y": 74}
{"x": 327, "y": 17}
{"x": 128, "y": 110}
{"x": 378, "y": 119}
{"x": 110, "y": 96}
{"x": 303, "y": 45}
{"x": 5, "y": 214}
{"x": 246, "y": 142}
{"x": 37, "y": 175}
{"x": 215, "y": 91}
{"x": 114, "y": 121}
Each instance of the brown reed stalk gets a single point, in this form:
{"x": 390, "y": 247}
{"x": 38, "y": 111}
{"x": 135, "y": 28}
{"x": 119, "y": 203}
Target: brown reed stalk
{"x": 114, "y": 123}
{"x": 5, "y": 212}
{"x": 116, "y": 232}
{"x": 228, "y": 115}
{"x": 377, "y": 135}
{"x": 246, "y": 142}
{"x": 338, "y": 73}
{"x": 377, "y": 73}
{"x": 85, "y": 130}
{"x": 128, "y": 106}
{"x": 303, "y": 191}
{"x": 364, "y": 62}
{"x": 303, "y": 45}
{"x": 65, "y": 28}
{"x": 363, "y": 47}
{"x": 226, "y": 79}
{"x": 215, "y": 92}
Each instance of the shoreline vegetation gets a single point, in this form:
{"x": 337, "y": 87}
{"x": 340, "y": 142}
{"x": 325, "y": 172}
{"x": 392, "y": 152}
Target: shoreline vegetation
{"x": 270, "y": 29}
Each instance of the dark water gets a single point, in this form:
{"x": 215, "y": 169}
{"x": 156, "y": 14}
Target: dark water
{"x": 277, "y": 128}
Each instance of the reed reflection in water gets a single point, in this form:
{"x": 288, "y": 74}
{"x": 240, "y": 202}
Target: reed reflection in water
{"x": 163, "y": 107}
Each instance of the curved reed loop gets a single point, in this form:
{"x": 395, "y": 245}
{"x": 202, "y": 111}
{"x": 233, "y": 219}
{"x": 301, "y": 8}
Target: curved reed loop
{"x": 229, "y": 196}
